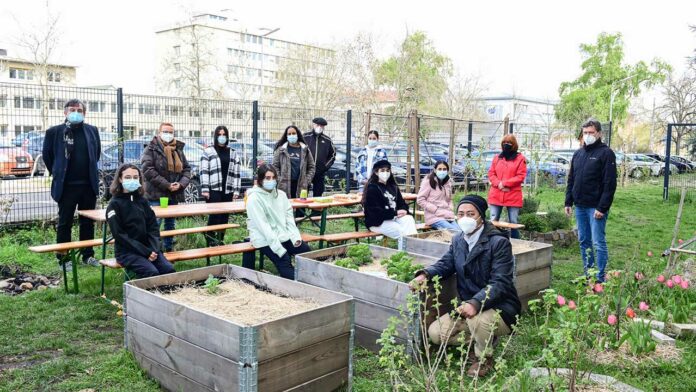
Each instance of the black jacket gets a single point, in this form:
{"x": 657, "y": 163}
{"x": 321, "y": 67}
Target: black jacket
{"x": 133, "y": 225}
{"x": 323, "y": 151}
{"x": 54, "y": 156}
{"x": 158, "y": 178}
{"x": 592, "y": 177}
{"x": 489, "y": 265}
{"x": 381, "y": 203}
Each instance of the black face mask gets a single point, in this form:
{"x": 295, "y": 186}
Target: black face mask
{"x": 507, "y": 147}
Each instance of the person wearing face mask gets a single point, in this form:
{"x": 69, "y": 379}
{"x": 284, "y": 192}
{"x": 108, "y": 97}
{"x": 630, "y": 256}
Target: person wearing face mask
{"x": 71, "y": 151}
{"x": 167, "y": 172}
{"x": 506, "y": 175}
{"x": 367, "y": 157}
{"x": 294, "y": 162}
{"x": 386, "y": 212}
{"x": 591, "y": 187}
{"x": 481, "y": 256}
{"x": 134, "y": 226}
{"x": 435, "y": 198}
{"x": 271, "y": 222}
{"x": 221, "y": 180}
{"x": 323, "y": 153}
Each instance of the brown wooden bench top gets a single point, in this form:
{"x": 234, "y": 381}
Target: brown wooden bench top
{"x": 505, "y": 225}
{"x": 340, "y": 237}
{"x": 352, "y": 215}
{"x": 65, "y": 246}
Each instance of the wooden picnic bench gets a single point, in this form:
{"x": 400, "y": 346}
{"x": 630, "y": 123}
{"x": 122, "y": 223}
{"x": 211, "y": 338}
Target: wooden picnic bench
{"x": 500, "y": 224}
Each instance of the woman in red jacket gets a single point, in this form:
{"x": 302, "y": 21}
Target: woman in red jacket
{"x": 506, "y": 176}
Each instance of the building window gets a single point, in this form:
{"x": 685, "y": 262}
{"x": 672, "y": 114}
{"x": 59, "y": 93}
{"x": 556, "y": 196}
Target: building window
{"x": 177, "y": 50}
{"x": 177, "y": 83}
{"x": 21, "y": 74}
{"x": 56, "y": 104}
{"x": 3, "y": 100}
{"x": 177, "y": 67}
{"x": 148, "y": 108}
{"x": 172, "y": 110}
{"x": 26, "y": 103}
{"x": 54, "y": 76}
{"x": 96, "y": 106}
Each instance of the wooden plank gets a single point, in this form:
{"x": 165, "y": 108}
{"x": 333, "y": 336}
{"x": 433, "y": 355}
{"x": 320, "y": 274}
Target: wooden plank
{"x": 304, "y": 365}
{"x": 65, "y": 246}
{"x": 421, "y": 244}
{"x": 207, "y": 368}
{"x": 376, "y": 317}
{"x": 178, "y": 278}
{"x": 168, "y": 378}
{"x": 532, "y": 282}
{"x": 328, "y": 382}
{"x": 367, "y": 339}
{"x": 530, "y": 255}
{"x": 199, "y": 229}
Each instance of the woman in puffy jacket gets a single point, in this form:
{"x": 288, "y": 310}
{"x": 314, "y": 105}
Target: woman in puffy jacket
{"x": 435, "y": 198}
{"x": 506, "y": 176}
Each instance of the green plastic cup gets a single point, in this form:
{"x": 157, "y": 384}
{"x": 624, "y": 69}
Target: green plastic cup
{"x": 164, "y": 202}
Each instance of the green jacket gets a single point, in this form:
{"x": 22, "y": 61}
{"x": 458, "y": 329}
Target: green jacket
{"x": 270, "y": 219}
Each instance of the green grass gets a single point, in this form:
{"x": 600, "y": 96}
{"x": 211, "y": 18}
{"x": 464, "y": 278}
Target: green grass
{"x": 50, "y": 341}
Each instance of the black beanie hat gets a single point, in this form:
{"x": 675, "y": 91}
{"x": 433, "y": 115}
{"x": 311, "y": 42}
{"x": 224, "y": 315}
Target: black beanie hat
{"x": 381, "y": 163}
{"x": 477, "y": 201}
{"x": 320, "y": 121}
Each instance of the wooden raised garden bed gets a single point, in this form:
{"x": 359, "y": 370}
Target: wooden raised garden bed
{"x": 303, "y": 342}
{"x": 377, "y": 297}
{"x": 532, "y": 259}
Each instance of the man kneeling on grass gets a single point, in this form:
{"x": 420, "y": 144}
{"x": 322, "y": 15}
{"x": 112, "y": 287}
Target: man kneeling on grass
{"x": 481, "y": 256}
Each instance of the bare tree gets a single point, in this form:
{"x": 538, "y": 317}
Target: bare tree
{"x": 461, "y": 96}
{"x": 679, "y": 104}
{"x": 40, "y": 41}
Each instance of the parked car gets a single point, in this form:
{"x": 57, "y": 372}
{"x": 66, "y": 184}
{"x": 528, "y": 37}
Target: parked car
{"x": 14, "y": 161}
{"x": 133, "y": 150}
{"x": 690, "y": 165}
{"x": 676, "y": 166}
{"x": 639, "y": 165}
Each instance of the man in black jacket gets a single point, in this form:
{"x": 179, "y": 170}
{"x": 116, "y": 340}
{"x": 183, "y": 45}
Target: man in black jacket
{"x": 323, "y": 151}
{"x": 481, "y": 256}
{"x": 591, "y": 187}
{"x": 71, "y": 151}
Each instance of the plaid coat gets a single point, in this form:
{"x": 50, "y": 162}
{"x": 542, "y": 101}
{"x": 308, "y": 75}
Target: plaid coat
{"x": 362, "y": 172}
{"x": 211, "y": 178}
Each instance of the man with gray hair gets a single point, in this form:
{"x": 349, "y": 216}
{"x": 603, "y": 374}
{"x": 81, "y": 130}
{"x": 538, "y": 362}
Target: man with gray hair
{"x": 591, "y": 187}
{"x": 71, "y": 151}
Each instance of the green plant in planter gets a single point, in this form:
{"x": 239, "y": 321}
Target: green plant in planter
{"x": 212, "y": 285}
{"x": 400, "y": 267}
{"x": 347, "y": 262}
{"x": 360, "y": 254}
{"x": 530, "y": 206}
{"x": 533, "y": 222}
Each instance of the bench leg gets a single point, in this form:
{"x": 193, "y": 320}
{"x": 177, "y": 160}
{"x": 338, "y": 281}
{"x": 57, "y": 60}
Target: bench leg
{"x": 73, "y": 256}
{"x": 65, "y": 272}
{"x": 103, "y": 273}
{"x": 260, "y": 260}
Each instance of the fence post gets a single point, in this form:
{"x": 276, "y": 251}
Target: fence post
{"x": 469, "y": 138}
{"x": 512, "y": 128}
{"x": 611, "y": 130}
{"x": 408, "y": 150}
{"x": 119, "y": 124}
{"x": 254, "y": 134}
{"x": 452, "y": 159}
{"x": 349, "y": 135}
{"x": 668, "y": 148}
{"x": 368, "y": 126}
{"x": 416, "y": 149}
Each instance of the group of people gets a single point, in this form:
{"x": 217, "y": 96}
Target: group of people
{"x": 480, "y": 255}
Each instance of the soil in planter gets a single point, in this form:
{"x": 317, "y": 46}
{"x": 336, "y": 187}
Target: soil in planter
{"x": 240, "y": 302}
{"x": 446, "y": 236}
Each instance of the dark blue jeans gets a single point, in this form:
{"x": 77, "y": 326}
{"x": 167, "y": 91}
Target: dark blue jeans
{"x": 593, "y": 242}
{"x": 283, "y": 263}
{"x": 169, "y": 224}
{"x": 143, "y": 267}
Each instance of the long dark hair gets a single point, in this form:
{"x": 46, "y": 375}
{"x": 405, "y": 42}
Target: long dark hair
{"x": 374, "y": 179}
{"x": 432, "y": 178}
{"x": 284, "y": 138}
{"x": 116, "y": 187}
{"x": 215, "y": 135}
{"x": 261, "y": 173}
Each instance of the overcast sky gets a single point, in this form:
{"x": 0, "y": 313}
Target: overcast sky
{"x": 522, "y": 47}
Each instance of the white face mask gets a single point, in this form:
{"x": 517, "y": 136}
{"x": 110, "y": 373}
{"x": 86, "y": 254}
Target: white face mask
{"x": 589, "y": 139}
{"x": 167, "y": 137}
{"x": 384, "y": 176}
{"x": 318, "y": 130}
{"x": 468, "y": 225}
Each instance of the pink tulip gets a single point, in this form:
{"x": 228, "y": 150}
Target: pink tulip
{"x": 681, "y": 241}
{"x": 684, "y": 284}
{"x": 639, "y": 276}
{"x": 661, "y": 278}
{"x": 598, "y": 288}
{"x": 676, "y": 279}
{"x": 669, "y": 283}
{"x": 650, "y": 253}
{"x": 571, "y": 305}
{"x": 643, "y": 306}
{"x": 612, "y": 319}
{"x": 561, "y": 301}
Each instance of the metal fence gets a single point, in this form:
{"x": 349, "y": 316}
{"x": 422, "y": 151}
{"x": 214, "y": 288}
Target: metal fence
{"x": 679, "y": 160}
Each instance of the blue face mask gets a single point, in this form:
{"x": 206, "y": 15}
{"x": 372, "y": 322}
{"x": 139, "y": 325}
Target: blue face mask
{"x": 292, "y": 139}
{"x": 372, "y": 143}
{"x": 222, "y": 139}
{"x": 131, "y": 185}
{"x": 441, "y": 174}
{"x": 269, "y": 185}
{"x": 75, "y": 117}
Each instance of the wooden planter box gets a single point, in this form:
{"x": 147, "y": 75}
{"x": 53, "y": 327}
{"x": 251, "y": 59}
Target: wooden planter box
{"x": 189, "y": 350}
{"x": 532, "y": 262}
{"x": 376, "y": 298}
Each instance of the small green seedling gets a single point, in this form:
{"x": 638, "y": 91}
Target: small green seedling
{"x": 212, "y": 284}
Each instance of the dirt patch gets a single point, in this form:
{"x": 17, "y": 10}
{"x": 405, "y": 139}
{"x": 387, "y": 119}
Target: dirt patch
{"x": 374, "y": 268}
{"x": 662, "y": 353}
{"x": 22, "y": 361}
{"x": 14, "y": 281}
{"x": 240, "y": 302}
